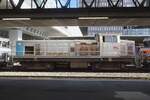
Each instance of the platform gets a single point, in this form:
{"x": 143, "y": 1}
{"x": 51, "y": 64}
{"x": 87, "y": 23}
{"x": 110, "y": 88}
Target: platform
{"x": 76, "y": 75}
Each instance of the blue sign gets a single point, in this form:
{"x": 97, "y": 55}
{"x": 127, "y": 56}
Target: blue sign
{"x": 19, "y": 49}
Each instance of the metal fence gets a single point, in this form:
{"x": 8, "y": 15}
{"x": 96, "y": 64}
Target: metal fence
{"x": 42, "y": 4}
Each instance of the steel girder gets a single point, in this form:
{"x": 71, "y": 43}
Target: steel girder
{"x": 85, "y": 3}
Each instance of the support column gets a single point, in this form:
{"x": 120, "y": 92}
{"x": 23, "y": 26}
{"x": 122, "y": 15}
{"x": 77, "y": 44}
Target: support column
{"x": 147, "y": 3}
{"x": 3, "y": 4}
{"x": 14, "y": 35}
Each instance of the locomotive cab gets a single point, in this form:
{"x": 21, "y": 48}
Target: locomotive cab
{"x": 109, "y": 45}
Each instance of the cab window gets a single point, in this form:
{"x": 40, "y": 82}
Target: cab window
{"x": 5, "y": 44}
{"x": 111, "y": 38}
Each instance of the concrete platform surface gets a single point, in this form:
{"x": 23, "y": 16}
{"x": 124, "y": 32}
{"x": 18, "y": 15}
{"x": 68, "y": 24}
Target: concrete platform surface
{"x": 74, "y": 89}
{"x": 76, "y": 75}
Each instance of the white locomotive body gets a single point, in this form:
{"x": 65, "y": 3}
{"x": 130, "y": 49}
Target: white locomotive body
{"x": 79, "y": 52}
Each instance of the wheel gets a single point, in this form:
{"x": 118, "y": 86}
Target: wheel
{"x": 146, "y": 65}
{"x": 50, "y": 67}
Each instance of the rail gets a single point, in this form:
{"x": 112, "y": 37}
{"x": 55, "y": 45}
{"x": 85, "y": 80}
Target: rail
{"x": 43, "y": 4}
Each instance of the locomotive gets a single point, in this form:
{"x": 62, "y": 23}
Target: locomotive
{"x": 5, "y": 51}
{"x": 105, "y": 51}
{"x": 145, "y": 53}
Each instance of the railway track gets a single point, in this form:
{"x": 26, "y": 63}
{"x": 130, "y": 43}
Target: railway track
{"x": 132, "y": 70}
